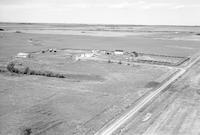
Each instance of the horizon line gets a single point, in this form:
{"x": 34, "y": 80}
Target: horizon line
{"x": 107, "y": 24}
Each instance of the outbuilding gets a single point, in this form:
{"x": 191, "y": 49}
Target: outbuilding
{"x": 23, "y": 55}
{"x": 88, "y": 55}
{"x": 118, "y": 52}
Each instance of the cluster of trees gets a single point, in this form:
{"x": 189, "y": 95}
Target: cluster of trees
{"x": 26, "y": 70}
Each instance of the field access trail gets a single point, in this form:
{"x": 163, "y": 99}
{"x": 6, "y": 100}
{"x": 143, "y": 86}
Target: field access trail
{"x": 112, "y": 127}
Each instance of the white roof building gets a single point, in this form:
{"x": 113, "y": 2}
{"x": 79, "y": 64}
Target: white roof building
{"x": 23, "y": 55}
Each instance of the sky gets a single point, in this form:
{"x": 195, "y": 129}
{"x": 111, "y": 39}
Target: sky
{"x": 138, "y": 12}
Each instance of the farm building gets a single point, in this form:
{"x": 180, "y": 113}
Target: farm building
{"x": 118, "y": 52}
{"x": 87, "y": 55}
{"x": 23, "y": 55}
{"x": 95, "y": 51}
{"x": 83, "y": 55}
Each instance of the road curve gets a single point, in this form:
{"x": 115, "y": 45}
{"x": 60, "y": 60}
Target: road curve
{"x": 108, "y": 130}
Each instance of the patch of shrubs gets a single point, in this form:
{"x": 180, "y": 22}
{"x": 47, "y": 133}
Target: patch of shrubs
{"x": 18, "y": 31}
{"x": 2, "y": 70}
{"x": 26, "y": 71}
{"x": 2, "y": 29}
{"x": 52, "y": 74}
{"x": 109, "y": 61}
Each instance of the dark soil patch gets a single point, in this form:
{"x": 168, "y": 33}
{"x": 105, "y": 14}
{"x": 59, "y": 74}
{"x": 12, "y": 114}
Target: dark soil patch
{"x": 198, "y": 91}
{"x": 152, "y": 84}
{"x": 18, "y": 32}
{"x": 3, "y": 70}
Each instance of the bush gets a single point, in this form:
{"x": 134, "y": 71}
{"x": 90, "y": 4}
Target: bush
{"x": 2, "y": 29}
{"x": 43, "y": 74}
{"x": 61, "y": 76}
{"x": 18, "y": 32}
{"x": 49, "y": 74}
{"x": 39, "y": 72}
{"x": 16, "y": 70}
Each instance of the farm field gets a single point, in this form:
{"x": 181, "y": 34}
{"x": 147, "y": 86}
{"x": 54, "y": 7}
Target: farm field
{"x": 12, "y": 43}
